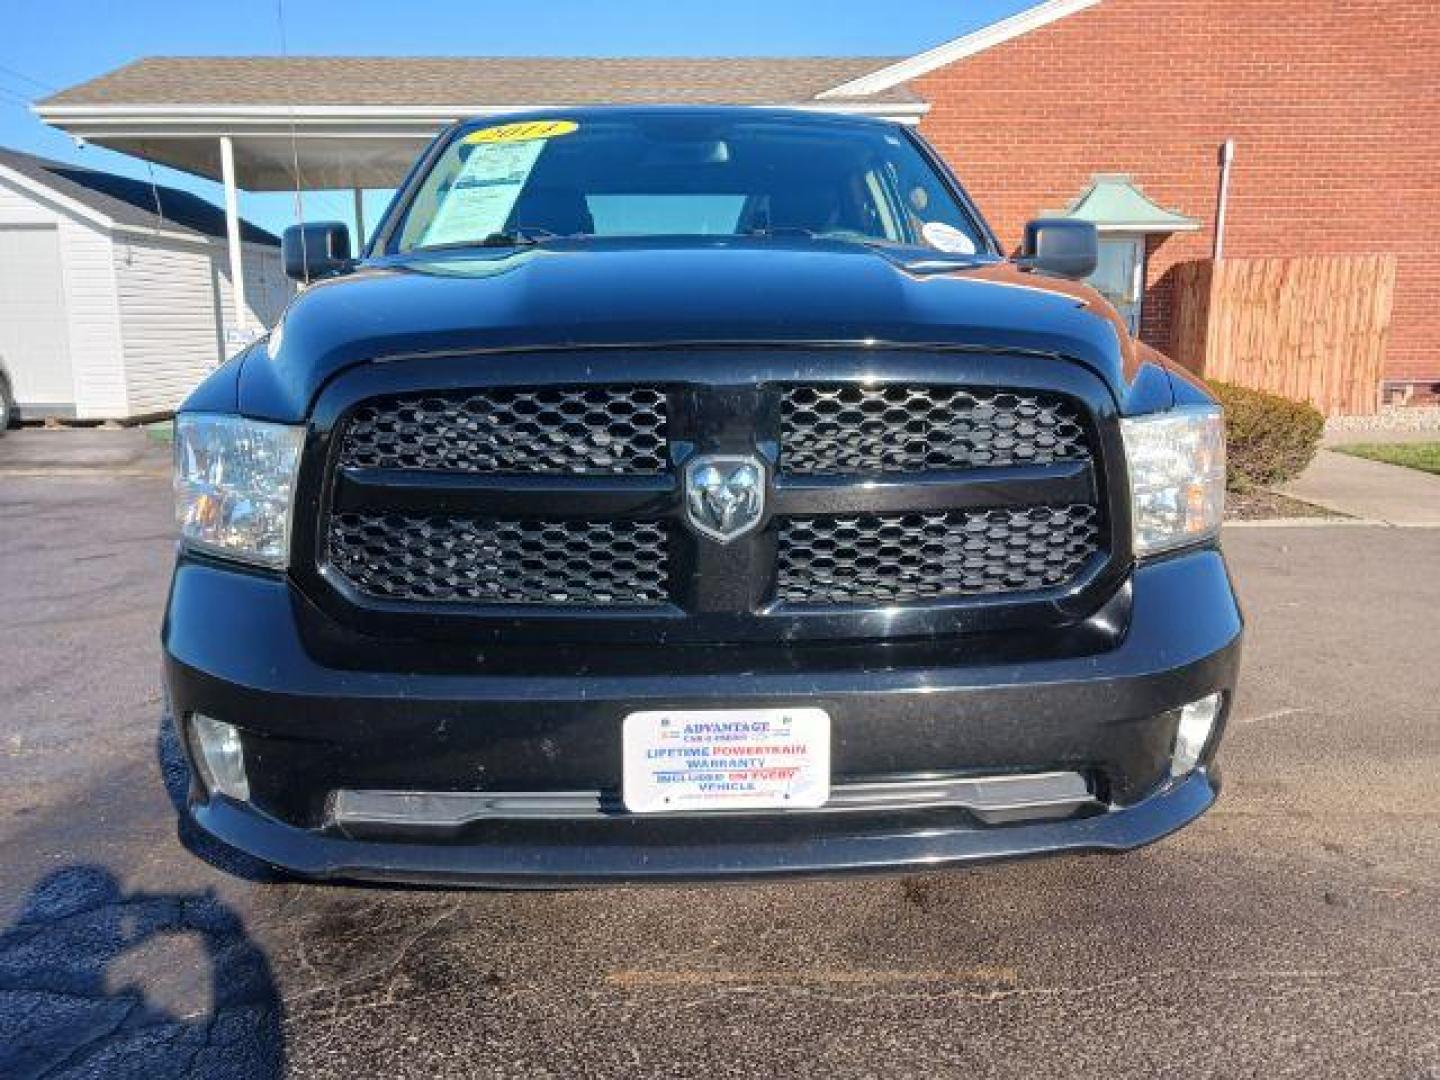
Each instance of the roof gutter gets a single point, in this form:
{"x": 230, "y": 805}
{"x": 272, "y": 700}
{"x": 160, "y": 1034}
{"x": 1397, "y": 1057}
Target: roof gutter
{"x": 151, "y": 119}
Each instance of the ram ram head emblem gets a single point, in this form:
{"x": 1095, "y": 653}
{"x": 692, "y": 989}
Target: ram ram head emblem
{"x": 724, "y": 496}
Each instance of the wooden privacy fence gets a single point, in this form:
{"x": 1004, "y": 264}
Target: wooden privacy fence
{"x": 1313, "y": 329}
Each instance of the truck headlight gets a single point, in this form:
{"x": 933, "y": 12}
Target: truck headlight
{"x": 1177, "y": 477}
{"x": 235, "y": 485}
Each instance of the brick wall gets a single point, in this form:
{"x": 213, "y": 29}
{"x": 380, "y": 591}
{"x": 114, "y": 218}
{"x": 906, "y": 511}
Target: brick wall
{"x": 1334, "y": 106}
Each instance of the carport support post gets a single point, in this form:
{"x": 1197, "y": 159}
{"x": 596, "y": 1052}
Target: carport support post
{"x": 359, "y": 220}
{"x": 232, "y": 232}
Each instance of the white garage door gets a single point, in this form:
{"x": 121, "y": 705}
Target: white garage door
{"x": 34, "y": 336}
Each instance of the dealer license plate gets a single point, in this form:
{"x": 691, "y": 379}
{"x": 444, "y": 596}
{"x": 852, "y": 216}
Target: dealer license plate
{"x": 726, "y": 759}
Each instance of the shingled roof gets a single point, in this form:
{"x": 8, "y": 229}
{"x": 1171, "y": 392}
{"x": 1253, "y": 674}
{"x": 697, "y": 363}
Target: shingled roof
{"x": 134, "y": 203}
{"x": 477, "y": 82}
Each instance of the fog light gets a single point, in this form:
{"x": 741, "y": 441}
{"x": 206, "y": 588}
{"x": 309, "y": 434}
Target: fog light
{"x": 220, "y": 756}
{"x": 1197, "y": 723}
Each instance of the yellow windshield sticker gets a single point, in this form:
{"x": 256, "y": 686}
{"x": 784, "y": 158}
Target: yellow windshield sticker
{"x": 526, "y": 131}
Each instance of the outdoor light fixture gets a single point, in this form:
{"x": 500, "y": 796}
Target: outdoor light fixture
{"x": 220, "y": 756}
{"x": 234, "y": 485}
{"x": 1177, "y": 477}
{"x": 1197, "y": 723}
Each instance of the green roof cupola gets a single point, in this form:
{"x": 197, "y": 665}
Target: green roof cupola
{"x": 1115, "y": 204}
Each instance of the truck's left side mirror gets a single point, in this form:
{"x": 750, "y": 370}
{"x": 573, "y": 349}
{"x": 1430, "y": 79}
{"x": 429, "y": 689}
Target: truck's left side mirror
{"x": 1064, "y": 247}
{"x": 316, "y": 250}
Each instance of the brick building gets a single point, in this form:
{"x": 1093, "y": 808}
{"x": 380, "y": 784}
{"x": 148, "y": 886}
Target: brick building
{"x": 1334, "y": 106}
{"x": 1110, "y": 109}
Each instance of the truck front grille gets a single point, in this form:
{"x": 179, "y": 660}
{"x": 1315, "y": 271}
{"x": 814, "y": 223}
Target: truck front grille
{"x": 897, "y": 558}
{"x": 835, "y": 430}
{"x": 556, "y": 430}
{"x": 590, "y": 563}
{"x": 879, "y": 494}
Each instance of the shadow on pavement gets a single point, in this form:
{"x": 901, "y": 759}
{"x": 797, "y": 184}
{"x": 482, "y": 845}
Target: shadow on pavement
{"x": 98, "y": 982}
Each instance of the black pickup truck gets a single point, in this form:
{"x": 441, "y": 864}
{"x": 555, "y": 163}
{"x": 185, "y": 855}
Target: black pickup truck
{"x": 671, "y": 494}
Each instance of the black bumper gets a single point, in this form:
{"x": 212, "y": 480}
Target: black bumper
{"x": 237, "y": 648}
{"x": 521, "y": 865}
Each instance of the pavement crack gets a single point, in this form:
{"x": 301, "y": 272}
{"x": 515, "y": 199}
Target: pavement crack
{"x": 806, "y": 983}
{"x": 80, "y": 1051}
{"x": 1277, "y": 714}
{"x": 386, "y": 975}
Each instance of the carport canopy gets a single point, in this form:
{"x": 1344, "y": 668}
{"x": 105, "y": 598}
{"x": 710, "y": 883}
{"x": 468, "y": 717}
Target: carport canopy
{"x": 327, "y": 123}
{"x": 358, "y": 122}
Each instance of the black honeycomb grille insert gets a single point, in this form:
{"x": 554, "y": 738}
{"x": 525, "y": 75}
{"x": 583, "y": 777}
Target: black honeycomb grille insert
{"x": 466, "y": 560}
{"x": 837, "y": 430}
{"x": 520, "y": 430}
{"x": 895, "y": 558}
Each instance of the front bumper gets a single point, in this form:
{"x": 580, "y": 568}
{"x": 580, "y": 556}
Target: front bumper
{"x": 532, "y": 864}
{"x": 313, "y": 728}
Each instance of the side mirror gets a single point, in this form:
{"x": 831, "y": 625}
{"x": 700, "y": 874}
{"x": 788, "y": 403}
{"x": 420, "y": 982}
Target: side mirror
{"x": 1061, "y": 246}
{"x": 316, "y": 250}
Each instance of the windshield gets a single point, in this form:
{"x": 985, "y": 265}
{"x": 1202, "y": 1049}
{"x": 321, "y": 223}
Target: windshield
{"x": 684, "y": 175}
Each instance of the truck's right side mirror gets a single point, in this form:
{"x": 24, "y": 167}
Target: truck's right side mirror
{"x": 1064, "y": 247}
{"x": 315, "y": 250}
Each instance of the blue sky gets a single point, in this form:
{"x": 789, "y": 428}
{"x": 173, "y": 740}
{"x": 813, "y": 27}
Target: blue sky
{"x": 52, "y": 44}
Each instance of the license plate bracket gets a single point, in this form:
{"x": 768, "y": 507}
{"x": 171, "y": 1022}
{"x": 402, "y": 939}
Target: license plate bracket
{"x": 680, "y": 760}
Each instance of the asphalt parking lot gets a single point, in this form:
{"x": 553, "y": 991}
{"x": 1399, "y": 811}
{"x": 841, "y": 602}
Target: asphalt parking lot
{"x": 1293, "y": 931}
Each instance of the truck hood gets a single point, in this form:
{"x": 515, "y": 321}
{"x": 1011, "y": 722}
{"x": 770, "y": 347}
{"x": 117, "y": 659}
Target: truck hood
{"x": 626, "y": 293}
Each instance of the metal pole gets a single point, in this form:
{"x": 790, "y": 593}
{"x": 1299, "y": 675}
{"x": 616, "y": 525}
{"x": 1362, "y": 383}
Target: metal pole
{"x": 359, "y": 220}
{"x": 1227, "y": 155}
{"x": 232, "y": 234}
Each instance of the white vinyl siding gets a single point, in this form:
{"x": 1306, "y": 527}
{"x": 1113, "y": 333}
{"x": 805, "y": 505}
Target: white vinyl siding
{"x": 94, "y": 310}
{"x": 177, "y": 306}
{"x": 91, "y": 304}
{"x": 34, "y": 332}
{"x": 146, "y": 317}
{"x": 169, "y": 318}
{"x": 267, "y": 289}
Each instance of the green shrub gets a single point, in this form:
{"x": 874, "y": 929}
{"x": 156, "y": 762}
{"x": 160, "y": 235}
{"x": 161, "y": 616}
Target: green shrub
{"x": 1268, "y": 439}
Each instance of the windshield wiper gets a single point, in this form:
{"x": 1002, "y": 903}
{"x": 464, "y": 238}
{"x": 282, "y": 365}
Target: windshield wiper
{"x": 514, "y": 238}
{"x": 783, "y": 230}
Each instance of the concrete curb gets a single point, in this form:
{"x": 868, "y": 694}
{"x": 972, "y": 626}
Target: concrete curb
{"x": 1305, "y": 523}
{"x": 79, "y": 472}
